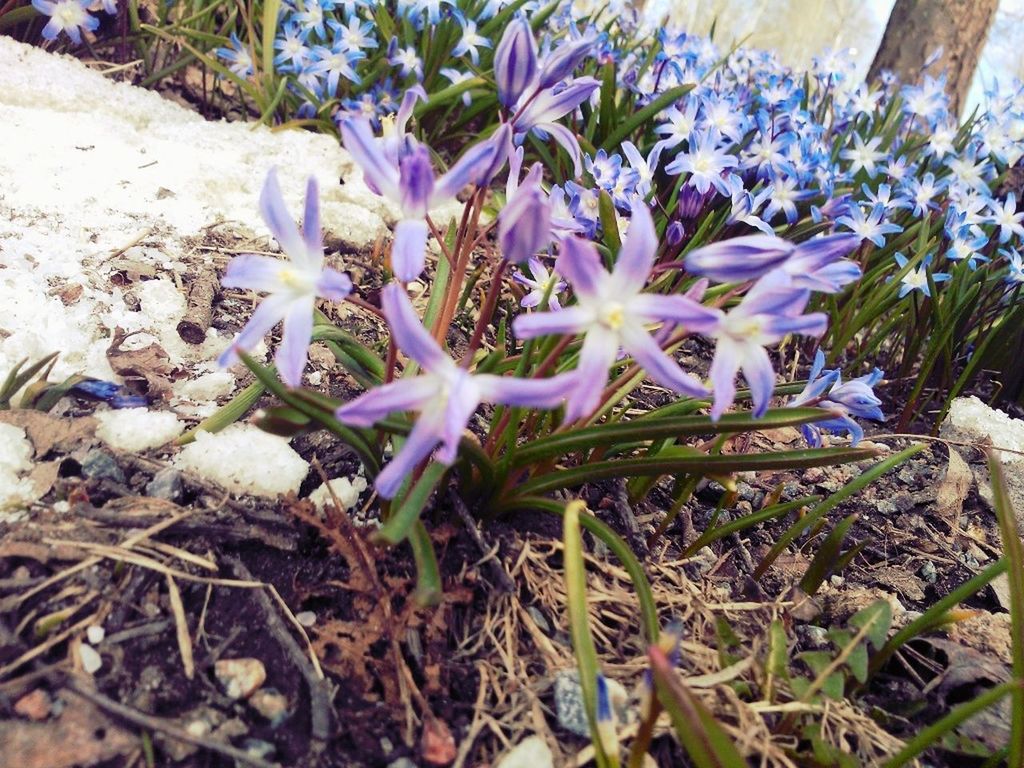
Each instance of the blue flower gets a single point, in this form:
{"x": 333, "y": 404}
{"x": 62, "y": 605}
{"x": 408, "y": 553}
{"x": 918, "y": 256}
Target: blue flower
{"x": 917, "y": 278}
{"x": 239, "y": 57}
{"x": 67, "y": 16}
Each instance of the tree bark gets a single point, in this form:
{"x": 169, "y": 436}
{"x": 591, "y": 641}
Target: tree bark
{"x": 917, "y": 27}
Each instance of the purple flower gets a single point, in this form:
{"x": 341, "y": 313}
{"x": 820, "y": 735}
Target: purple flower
{"x": 293, "y": 285}
{"x": 524, "y": 224}
{"x": 612, "y": 313}
{"x": 67, "y": 16}
{"x": 445, "y": 394}
{"x": 399, "y": 168}
{"x": 542, "y": 283}
{"x": 548, "y": 105}
{"x": 771, "y": 310}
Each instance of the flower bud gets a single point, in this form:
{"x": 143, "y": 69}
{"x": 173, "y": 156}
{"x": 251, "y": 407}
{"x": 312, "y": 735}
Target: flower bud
{"x": 524, "y": 224}
{"x": 515, "y": 61}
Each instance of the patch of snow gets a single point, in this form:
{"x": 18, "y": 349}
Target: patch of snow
{"x": 244, "y": 459}
{"x": 207, "y": 387}
{"x": 347, "y": 491}
{"x": 137, "y": 429}
{"x": 107, "y": 171}
{"x": 15, "y": 458}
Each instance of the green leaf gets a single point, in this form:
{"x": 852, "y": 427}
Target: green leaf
{"x": 283, "y": 420}
{"x": 877, "y": 617}
{"x": 827, "y": 556}
{"x": 609, "y": 221}
{"x": 646, "y": 429}
{"x": 271, "y": 9}
{"x": 579, "y": 621}
{"x": 1014, "y": 554}
{"x": 428, "y": 576}
{"x": 710, "y": 465}
{"x": 396, "y": 528}
{"x": 705, "y": 741}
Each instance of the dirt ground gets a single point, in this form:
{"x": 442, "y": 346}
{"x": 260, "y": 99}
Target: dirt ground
{"x": 357, "y": 674}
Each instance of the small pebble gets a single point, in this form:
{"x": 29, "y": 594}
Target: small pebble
{"x": 539, "y": 619}
{"x": 90, "y": 658}
{"x": 928, "y": 572}
{"x": 258, "y": 748}
{"x": 35, "y": 705}
{"x": 95, "y": 634}
{"x": 531, "y": 752}
{"x": 99, "y": 465}
{"x": 437, "y": 744}
{"x": 166, "y": 484}
{"x": 306, "y": 618}
{"x": 270, "y": 703}
{"x": 402, "y": 762}
{"x": 240, "y": 678}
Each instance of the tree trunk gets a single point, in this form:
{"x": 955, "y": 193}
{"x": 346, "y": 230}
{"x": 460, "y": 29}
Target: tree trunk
{"x": 917, "y": 27}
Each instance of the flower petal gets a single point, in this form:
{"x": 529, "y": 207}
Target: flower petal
{"x": 311, "y": 232}
{"x": 380, "y": 175}
{"x": 533, "y": 393}
{"x": 409, "y": 334}
{"x": 421, "y": 441}
{"x": 579, "y": 262}
{"x": 411, "y": 394}
{"x": 565, "y": 320}
{"x": 293, "y": 352}
{"x": 659, "y": 366}
{"x": 280, "y": 223}
{"x": 726, "y": 362}
{"x": 677, "y": 309}
{"x": 333, "y": 285}
{"x": 600, "y": 347}
{"x": 760, "y": 376}
{"x": 636, "y": 256}
{"x": 256, "y": 273}
{"x": 268, "y": 314}
{"x": 408, "y": 251}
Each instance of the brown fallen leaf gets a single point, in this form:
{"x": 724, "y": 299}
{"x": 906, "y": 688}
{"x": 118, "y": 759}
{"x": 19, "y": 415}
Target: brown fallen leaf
{"x": 953, "y": 490}
{"x": 899, "y": 580}
{"x": 81, "y": 736}
{"x": 47, "y": 432}
{"x": 146, "y": 371}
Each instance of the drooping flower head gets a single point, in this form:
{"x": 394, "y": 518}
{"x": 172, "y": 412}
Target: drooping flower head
{"x": 399, "y": 168}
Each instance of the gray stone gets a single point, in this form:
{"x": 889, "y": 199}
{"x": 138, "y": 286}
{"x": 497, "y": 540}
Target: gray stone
{"x": 259, "y": 749}
{"x": 928, "y": 572}
{"x": 402, "y": 762}
{"x": 572, "y": 715}
{"x": 100, "y": 465}
{"x": 166, "y": 484}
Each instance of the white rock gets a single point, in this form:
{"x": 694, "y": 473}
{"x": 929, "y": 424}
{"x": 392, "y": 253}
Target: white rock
{"x": 306, "y": 618}
{"x": 972, "y": 421}
{"x": 90, "y": 659}
{"x": 16, "y": 492}
{"x": 346, "y": 489}
{"x": 95, "y": 634}
{"x": 244, "y": 459}
{"x": 531, "y": 752}
{"x": 137, "y": 429}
